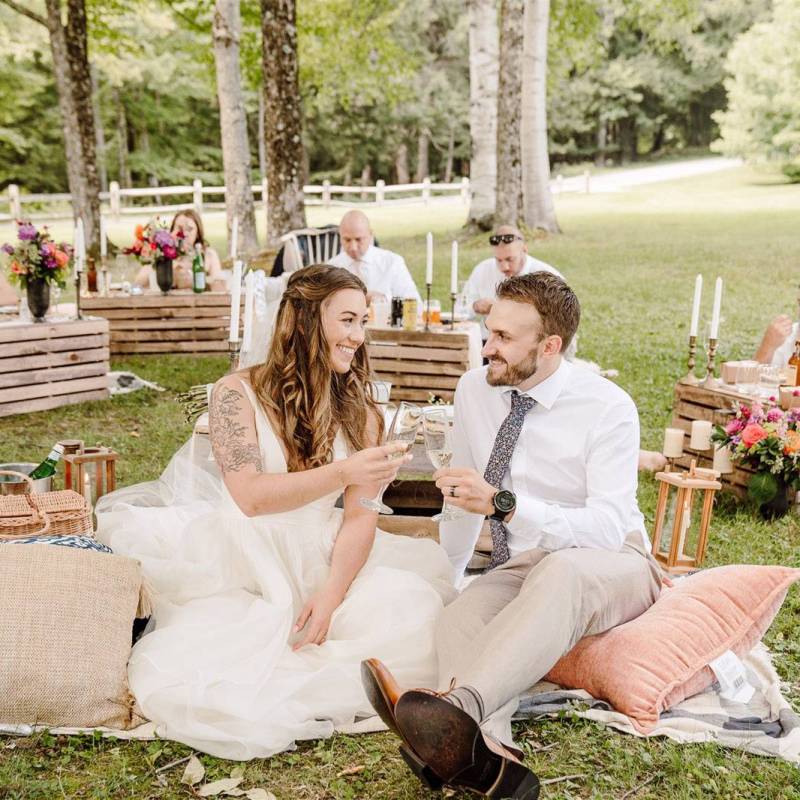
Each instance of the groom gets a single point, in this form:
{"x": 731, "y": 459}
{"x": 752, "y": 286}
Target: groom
{"x": 547, "y": 453}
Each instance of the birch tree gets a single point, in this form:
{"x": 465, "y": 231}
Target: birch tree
{"x": 282, "y": 118}
{"x": 510, "y": 207}
{"x": 226, "y": 33}
{"x": 539, "y": 209}
{"x": 483, "y": 68}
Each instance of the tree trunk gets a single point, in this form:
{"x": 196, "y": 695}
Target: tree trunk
{"x": 226, "y": 31}
{"x": 451, "y": 146}
{"x": 81, "y": 80}
{"x": 539, "y": 210}
{"x": 509, "y": 208}
{"x": 401, "y": 164}
{"x": 100, "y": 131}
{"x": 122, "y": 141}
{"x": 282, "y": 118}
{"x": 423, "y": 148}
{"x": 366, "y": 179}
{"x": 483, "y": 53}
{"x": 262, "y": 152}
{"x": 602, "y": 138}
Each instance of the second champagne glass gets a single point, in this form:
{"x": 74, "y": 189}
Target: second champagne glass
{"x": 437, "y": 428}
{"x": 404, "y": 428}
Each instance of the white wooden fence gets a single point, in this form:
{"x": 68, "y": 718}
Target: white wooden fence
{"x": 59, "y": 206}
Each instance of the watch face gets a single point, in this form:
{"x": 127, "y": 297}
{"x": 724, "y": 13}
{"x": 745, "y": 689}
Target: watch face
{"x": 505, "y": 501}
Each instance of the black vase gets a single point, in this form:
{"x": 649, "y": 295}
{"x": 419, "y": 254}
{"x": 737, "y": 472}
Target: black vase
{"x": 164, "y": 274}
{"x": 38, "y": 293}
{"x": 778, "y": 506}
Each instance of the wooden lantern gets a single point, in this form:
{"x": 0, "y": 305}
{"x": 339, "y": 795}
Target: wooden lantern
{"x": 91, "y": 471}
{"x": 695, "y": 483}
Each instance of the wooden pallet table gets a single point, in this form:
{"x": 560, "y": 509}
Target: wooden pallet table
{"x": 180, "y": 322}
{"x": 51, "y": 364}
{"x": 716, "y": 406}
{"x": 423, "y": 363}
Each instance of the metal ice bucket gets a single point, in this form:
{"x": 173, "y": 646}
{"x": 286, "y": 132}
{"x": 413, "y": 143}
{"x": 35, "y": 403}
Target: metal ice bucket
{"x": 13, "y": 484}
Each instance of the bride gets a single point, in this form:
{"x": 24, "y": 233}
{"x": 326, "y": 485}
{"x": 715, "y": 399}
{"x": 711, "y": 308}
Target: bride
{"x": 268, "y": 596}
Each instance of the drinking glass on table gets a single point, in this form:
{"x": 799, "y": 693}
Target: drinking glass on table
{"x": 437, "y": 428}
{"x": 404, "y": 428}
{"x": 769, "y": 380}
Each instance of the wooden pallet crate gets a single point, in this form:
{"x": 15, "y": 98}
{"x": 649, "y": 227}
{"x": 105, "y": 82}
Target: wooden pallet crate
{"x": 419, "y": 363}
{"x": 47, "y": 365}
{"x": 180, "y": 322}
{"x": 717, "y": 407}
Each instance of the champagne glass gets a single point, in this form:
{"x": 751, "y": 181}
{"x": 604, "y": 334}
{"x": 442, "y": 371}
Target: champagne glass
{"x": 404, "y": 428}
{"x": 437, "y": 428}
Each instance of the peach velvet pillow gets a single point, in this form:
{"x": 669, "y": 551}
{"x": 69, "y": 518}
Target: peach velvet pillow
{"x": 651, "y": 663}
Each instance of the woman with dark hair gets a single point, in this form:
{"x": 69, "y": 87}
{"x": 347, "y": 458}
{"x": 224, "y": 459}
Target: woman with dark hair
{"x": 268, "y": 594}
{"x": 189, "y": 223}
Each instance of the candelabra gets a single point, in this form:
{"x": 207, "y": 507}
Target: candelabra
{"x": 690, "y": 377}
{"x": 428, "y": 308}
{"x": 78, "y": 314}
{"x": 452, "y": 309}
{"x": 710, "y": 381}
{"x": 233, "y": 353}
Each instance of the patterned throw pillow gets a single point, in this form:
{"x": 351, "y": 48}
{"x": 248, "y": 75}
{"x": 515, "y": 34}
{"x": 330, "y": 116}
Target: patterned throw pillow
{"x": 81, "y": 542}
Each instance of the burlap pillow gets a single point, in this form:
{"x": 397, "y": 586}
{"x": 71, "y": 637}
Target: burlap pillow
{"x": 65, "y": 636}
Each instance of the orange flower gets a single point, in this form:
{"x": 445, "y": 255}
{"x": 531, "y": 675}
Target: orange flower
{"x": 17, "y": 268}
{"x": 792, "y": 442}
{"x": 61, "y": 258}
{"x": 140, "y": 232}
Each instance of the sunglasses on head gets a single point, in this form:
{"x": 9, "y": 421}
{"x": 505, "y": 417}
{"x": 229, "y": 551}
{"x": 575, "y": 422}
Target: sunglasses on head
{"x": 503, "y": 238}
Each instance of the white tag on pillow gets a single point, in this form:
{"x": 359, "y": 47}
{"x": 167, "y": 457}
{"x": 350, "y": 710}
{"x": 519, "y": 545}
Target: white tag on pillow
{"x": 732, "y": 677}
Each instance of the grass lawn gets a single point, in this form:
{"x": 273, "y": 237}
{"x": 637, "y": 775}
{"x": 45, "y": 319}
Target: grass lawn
{"x": 632, "y": 258}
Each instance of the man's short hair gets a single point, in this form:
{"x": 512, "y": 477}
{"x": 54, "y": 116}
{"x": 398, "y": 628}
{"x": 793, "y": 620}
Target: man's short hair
{"x": 556, "y": 303}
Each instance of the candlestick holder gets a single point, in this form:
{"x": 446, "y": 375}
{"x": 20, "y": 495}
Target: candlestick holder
{"x": 428, "y": 308}
{"x": 233, "y": 354}
{"x": 690, "y": 377}
{"x": 710, "y": 381}
{"x": 105, "y": 279}
{"x": 452, "y": 310}
{"x": 78, "y": 313}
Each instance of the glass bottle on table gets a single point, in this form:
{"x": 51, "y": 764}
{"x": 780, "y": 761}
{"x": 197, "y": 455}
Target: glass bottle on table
{"x": 198, "y": 270}
{"x": 437, "y": 428}
{"x": 48, "y": 467}
{"x": 404, "y": 428}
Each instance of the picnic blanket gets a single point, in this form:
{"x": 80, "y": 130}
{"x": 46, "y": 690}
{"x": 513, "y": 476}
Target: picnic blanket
{"x": 766, "y": 726}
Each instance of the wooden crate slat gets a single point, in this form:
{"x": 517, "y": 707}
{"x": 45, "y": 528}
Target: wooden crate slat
{"x": 186, "y": 312}
{"x": 420, "y": 395}
{"x": 47, "y": 403}
{"x": 221, "y": 300}
{"x": 38, "y": 347}
{"x": 215, "y": 323}
{"x": 47, "y": 376}
{"x": 420, "y": 367}
{"x": 132, "y": 348}
{"x": 166, "y": 336}
{"x": 401, "y": 352}
{"x": 46, "y": 331}
{"x": 418, "y": 381}
{"x": 439, "y": 339}
{"x": 13, "y": 394}
{"x": 52, "y": 360}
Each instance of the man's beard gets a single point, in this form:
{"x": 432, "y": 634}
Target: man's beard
{"x": 514, "y": 375}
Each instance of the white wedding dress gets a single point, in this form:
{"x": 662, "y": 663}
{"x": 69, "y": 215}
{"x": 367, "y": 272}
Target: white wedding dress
{"x": 218, "y": 672}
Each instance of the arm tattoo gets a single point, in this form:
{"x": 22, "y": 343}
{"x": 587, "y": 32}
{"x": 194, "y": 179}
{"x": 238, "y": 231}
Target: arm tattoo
{"x": 231, "y": 450}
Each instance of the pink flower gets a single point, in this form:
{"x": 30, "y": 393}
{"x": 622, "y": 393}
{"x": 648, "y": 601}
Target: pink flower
{"x": 734, "y": 426}
{"x": 753, "y": 434}
{"x": 774, "y": 415}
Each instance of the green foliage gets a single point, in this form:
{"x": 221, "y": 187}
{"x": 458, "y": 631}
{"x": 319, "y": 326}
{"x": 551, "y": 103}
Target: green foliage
{"x": 762, "y": 121}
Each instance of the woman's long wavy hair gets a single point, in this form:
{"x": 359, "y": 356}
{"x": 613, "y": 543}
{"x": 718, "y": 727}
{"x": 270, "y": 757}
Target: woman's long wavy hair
{"x": 297, "y": 384}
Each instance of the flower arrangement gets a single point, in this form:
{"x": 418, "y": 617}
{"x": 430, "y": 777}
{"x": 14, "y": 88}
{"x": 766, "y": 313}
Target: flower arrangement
{"x": 766, "y": 439}
{"x": 154, "y": 241}
{"x": 36, "y": 256}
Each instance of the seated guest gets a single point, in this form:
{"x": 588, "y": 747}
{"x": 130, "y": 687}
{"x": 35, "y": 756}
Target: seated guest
{"x": 190, "y": 223}
{"x": 777, "y": 344}
{"x": 385, "y": 273}
{"x": 510, "y": 258}
{"x": 547, "y": 453}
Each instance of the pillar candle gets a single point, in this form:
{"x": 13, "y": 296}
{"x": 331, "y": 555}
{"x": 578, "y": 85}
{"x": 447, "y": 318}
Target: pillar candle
{"x": 234, "y": 237}
{"x": 673, "y": 443}
{"x": 236, "y": 296}
{"x": 249, "y": 289}
{"x": 103, "y": 238}
{"x": 698, "y": 291}
{"x": 454, "y": 269}
{"x": 429, "y": 260}
{"x": 715, "y": 312}
{"x": 722, "y": 460}
{"x": 701, "y": 435}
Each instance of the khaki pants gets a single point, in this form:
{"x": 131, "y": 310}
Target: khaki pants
{"x": 509, "y": 627}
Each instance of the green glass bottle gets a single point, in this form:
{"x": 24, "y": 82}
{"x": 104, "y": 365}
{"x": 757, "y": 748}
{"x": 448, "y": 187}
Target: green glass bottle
{"x": 48, "y": 466}
{"x": 198, "y": 270}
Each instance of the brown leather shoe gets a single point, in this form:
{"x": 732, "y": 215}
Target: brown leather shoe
{"x": 454, "y": 748}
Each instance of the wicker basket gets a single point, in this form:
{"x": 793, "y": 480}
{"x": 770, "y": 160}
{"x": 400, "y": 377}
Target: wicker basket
{"x": 53, "y": 513}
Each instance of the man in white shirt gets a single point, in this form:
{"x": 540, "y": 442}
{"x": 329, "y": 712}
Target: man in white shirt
{"x": 547, "y": 452}
{"x": 510, "y": 258}
{"x": 778, "y": 342}
{"x": 384, "y": 273}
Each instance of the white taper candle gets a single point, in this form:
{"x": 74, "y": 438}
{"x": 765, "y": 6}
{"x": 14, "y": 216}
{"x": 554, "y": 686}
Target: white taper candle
{"x": 249, "y": 289}
{"x": 717, "y": 306}
{"x": 429, "y": 259}
{"x": 236, "y": 298}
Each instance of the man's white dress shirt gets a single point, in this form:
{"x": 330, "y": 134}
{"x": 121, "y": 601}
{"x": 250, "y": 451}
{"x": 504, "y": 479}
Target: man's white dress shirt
{"x": 783, "y": 353}
{"x": 382, "y": 271}
{"x": 573, "y": 470}
{"x": 482, "y": 283}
